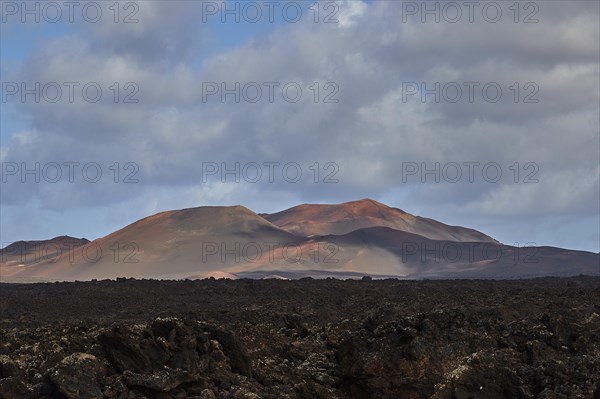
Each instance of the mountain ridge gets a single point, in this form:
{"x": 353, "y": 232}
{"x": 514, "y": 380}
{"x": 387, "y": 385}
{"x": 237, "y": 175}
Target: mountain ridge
{"x": 357, "y": 237}
{"x": 324, "y": 219}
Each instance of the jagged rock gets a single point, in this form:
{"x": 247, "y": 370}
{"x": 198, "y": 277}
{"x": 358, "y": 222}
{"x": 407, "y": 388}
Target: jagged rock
{"x": 137, "y": 351}
{"x": 8, "y": 368}
{"x": 13, "y": 388}
{"x": 77, "y": 376}
{"x": 164, "y": 380}
{"x": 234, "y": 350}
{"x": 309, "y": 339}
{"x": 207, "y": 394}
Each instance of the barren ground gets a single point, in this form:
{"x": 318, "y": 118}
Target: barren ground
{"x": 301, "y": 339}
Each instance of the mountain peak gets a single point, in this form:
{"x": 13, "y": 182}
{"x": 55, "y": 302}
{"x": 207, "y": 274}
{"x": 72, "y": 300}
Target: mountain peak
{"x": 365, "y": 202}
{"x": 312, "y": 220}
{"x": 202, "y": 218}
{"x": 368, "y": 203}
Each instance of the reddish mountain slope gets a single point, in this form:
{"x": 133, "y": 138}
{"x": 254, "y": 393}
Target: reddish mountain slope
{"x": 315, "y": 219}
{"x": 345, "y": 240}
{"x": 175, "y": 244}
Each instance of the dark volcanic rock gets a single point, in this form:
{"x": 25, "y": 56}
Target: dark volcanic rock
{"x": 165, "y": 380}
{"x": 159, "y": 357}
{"x": 78, "y": 376}
{"x": 234, "y": 349}
{"x": 13, "y": 388}
{"x": 127, "y": 349}
{"x": 301, "y": 339}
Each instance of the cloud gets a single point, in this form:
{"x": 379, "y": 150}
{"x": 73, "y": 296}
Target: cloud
{"x": 370, "y": 133}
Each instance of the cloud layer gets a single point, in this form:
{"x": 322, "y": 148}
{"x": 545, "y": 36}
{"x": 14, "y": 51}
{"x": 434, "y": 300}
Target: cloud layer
{"x": 373, "y": 128}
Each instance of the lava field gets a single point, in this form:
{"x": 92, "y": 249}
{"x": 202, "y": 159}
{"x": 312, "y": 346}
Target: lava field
{"x": 306, "y": 338}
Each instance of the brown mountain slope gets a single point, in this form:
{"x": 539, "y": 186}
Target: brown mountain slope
{"x": 20, "y": 253}
{"x": 235, "y": 242}
{"x": 175, "y": 244}
{"x": 317, "y": 219}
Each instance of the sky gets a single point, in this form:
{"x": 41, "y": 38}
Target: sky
{"x": 484, "y": 115}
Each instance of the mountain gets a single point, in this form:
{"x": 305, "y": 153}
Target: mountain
{"x": 386, "y": 252}
{"x": 29, "y": 247}
{"x": 345, "y": 241}
{"x": 317, "y": 219}
{"x": 19, "y": 254}
{"x": 420, "y": 257}
{"x": 195, "y": 242}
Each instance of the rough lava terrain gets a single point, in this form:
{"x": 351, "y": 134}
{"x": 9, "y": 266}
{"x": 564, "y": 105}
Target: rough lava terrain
{"x": 125, "y": 339}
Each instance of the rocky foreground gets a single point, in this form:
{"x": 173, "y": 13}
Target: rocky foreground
{"x": 301, "y": 339}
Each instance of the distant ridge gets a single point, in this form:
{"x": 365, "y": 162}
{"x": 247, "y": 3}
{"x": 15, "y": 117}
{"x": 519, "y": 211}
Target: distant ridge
{"x": 19, "y": 246}
{"x": 346, "y": 240}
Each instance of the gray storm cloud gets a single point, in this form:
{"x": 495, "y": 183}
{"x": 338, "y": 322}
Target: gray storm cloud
{"x": 371, "y": 133}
